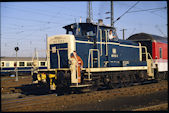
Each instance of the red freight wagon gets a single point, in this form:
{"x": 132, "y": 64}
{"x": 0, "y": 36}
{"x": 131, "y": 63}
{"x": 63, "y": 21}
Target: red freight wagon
{"x": 157, "y": 46}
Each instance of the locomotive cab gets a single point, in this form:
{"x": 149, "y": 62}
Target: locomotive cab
{"x": 90, "y": 31}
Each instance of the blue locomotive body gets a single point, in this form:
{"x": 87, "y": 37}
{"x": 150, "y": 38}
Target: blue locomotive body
{"x": 120, "y": 53}
{"x": 117, "y": 53}
{"x": 105, "y": 60}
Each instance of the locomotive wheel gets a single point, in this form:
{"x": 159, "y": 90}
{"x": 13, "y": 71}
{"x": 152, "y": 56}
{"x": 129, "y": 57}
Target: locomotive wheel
{"x": 126, "y": 81}
{"x": 137, "y": 77}
{"x": 160, "y": 76}
{"x": 62, "y": 83}
{"x": 114, "y": 85}
{"x": 156, "y": 74}
{"x": 166, "y": 75}
{"x": 76, "y": 91}
{"x": 131, "y": 80}
{"x": 95, "y": 85}
{"x": 142, "y": 77}
{"x": 111, "y": 85}
{"x": 114, "y": 82}
{"x": 119, "y": 83}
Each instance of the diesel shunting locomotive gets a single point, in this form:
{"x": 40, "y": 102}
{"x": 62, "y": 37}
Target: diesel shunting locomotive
{"x": 86, "y": 56}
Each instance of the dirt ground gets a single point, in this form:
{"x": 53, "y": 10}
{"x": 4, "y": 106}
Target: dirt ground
{"x": 16, "y": 96}
{"x": 10, "y": 82}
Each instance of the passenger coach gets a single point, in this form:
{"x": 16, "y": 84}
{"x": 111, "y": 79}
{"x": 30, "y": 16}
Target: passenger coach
{"x": 157, "y": 46}
{"x": 24, "y": 65}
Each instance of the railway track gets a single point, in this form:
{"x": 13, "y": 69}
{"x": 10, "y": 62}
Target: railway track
{"x": 52, "y": 102}
{"x": 153, "y": 108}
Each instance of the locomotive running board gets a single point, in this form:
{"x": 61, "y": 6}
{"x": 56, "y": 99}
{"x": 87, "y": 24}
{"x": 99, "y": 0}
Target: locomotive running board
{"x": 104, "y": 69}
{"x": 85, "y": 85}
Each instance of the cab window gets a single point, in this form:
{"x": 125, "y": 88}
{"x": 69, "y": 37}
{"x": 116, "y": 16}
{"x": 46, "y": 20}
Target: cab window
{"x": 69, "y": 32}
{"x": 103, "y": 35}
{"x": 90, "y": 33}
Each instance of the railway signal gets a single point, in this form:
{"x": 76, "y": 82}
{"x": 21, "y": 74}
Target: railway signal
{"x": 16, "y": 49}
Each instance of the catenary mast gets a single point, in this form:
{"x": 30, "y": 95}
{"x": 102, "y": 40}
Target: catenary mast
{"x": 112, "y": 15}
{"x": 89, "y": 12}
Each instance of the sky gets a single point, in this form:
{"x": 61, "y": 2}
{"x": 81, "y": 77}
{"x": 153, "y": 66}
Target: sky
{"x": 27, "y": 24}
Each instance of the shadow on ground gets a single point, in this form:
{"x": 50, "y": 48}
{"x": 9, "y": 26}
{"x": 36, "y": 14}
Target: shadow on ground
{"x": 34, "y": 89}
{"x": 44, "y": 89}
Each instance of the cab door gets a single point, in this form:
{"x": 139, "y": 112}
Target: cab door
{"x": 59, "y": 56}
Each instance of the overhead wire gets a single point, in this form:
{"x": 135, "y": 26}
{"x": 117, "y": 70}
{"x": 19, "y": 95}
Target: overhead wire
{"x": 8, "y": 17}
{"x": 32, "y": 13}
{"x": 40, "y": 29}
{"x": 27, "y": 36}
{"x": 37, "y": 12}
{"x": 126, "y": 11}
{"x": 27, "y": 10}
{"x": 132, "y": 31}
{"x": 148, "y": 9}
{"x": 64, "y": 12}
{"x": 151, "y": 11}
{"x": 157, "y": 27}
{"x": 31, "y": 19}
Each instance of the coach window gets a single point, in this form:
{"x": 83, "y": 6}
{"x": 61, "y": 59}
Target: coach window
{"x": 29, "y": 63}
{"x": 21, "y": 64}
{"x": 7, "y": 64}
{"x": 2, "y": 64}
{"x": 42, "y": 63}
{"x": 160, "y": 50}
{"x": 15, "y": 64}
